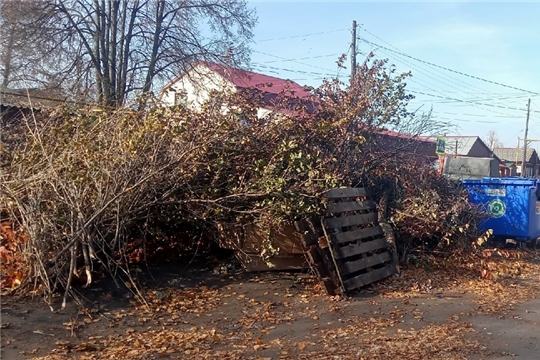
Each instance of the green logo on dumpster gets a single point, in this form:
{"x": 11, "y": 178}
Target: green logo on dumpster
{"x": 497, "y": 208}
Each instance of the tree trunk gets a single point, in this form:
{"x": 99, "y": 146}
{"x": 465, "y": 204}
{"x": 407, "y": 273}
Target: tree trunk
{"x": 160, "y": 7}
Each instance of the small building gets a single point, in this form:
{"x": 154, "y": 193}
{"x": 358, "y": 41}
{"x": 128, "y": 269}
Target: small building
{"x": 468, "y": 157}
{"x": 514, "y": 157}
{"x": 405, "y": 143}
{"x": 471, "y": 146}
{"x": 16, "y": 103}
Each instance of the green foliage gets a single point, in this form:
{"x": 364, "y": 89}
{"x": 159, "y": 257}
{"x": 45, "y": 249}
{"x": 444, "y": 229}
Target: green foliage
{"x": 87, "y": 182}
{"x": 428, "y": 211}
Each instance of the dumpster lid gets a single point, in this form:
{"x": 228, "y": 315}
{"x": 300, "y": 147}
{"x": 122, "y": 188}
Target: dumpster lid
{"x": 505, "y": 181}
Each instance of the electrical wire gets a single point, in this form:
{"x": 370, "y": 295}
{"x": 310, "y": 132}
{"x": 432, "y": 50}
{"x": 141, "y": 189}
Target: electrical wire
{"x": 282, "y": 59}
{"x": 476, "y": 104}
{"x": 451, "y": 70}
{"x": 305, "y": 35}
{"x": 442, "y": 74}
{"x": 466, "y": 101}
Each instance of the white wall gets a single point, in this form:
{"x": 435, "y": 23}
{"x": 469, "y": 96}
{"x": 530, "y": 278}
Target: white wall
{"x": 195, "y": 87}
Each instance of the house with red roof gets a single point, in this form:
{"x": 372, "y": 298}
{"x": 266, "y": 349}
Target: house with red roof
{"x": 412, "y": 144}
{"x": 194, "y": 87}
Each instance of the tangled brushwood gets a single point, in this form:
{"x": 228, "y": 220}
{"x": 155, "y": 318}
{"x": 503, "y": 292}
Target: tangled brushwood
{"x": 87, "y": 185}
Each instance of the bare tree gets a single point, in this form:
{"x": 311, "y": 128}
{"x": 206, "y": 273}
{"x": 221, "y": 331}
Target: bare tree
{"x": 493, "y": 140}
{"x": 20, "y": 47}
{"x": 125, "y": 46}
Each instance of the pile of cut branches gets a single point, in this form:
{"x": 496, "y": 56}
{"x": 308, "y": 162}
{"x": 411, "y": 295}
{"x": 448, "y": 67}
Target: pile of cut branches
{"x": 88, "y": 184}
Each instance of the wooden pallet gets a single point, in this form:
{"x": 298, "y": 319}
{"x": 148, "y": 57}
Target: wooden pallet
{"x": 347, "y": 247}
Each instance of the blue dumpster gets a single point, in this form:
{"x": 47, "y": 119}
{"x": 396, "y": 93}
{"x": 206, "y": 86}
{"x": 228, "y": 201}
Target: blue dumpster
{"x": 513, "y": 205}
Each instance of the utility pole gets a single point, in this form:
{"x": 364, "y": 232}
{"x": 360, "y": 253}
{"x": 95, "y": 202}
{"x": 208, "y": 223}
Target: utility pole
{"x": 523, "y": 162}
{"x": 353, "y": 51}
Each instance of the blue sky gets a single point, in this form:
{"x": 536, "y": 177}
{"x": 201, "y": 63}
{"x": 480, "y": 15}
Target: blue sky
{"x": 498, "y": 41}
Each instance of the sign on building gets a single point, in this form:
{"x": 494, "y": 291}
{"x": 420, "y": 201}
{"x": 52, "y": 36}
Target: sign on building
{"x": 441, "y": 146}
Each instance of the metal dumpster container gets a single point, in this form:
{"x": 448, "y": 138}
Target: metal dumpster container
{"x": 513, "y": 205}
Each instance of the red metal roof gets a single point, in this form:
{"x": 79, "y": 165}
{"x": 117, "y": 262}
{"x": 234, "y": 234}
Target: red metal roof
{"x": 247, "y": 79}
{"x": 404, "y": 136}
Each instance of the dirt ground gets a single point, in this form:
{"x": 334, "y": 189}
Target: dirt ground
{"x": 200, "y": 313}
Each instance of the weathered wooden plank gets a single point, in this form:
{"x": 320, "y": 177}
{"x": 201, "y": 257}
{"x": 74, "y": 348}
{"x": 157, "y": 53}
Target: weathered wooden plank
{"x": 316, "y": 262}
{"x": 310, "y": 230}
{"x": 330, "y": 286}
{"x": 368, "y": 278}
{"x": 345, "y": 192}
{"x": 328, "y": 263}
{"x": 341, "y": 252}
{"x": 333, "y": 208}
{"x": 308, "y": 240}
{"x": 314, "y": 254}
{"x": 368, "y": 261}
{"x": 332, "y": 223}
{"x": 302, "y": 225}
{"x": 391, "y": 241}
{"x": 357, "y": 234}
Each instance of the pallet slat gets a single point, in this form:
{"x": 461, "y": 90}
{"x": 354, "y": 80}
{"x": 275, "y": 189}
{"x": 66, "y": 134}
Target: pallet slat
{"x": 362, "y": 219}
{"x": 334, "y": 208}
{"x": 368, "y": 278}
{"x": 364, "y": 263}
{"x": 345, "y": 192}
{"x": 358, "y": 234}
{"x": 343, "y": 252}
{"x": 345, "y": 260}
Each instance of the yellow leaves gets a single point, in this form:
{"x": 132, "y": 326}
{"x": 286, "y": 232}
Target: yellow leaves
{"x": 483, "y": 238}
{"x": 257, "y": 343}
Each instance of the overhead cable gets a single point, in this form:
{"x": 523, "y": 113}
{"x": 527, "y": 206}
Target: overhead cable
{"x": 448, "y": 69}
{"x": 305, "y": 35}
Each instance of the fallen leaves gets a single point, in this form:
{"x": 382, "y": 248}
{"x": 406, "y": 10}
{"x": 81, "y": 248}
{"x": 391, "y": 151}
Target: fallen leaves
{"x": 496, "y": 280}
{"x": 239, "y": 322}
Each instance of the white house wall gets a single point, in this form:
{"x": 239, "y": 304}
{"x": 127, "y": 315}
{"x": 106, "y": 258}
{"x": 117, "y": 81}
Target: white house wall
{"x": 196, "y": 87}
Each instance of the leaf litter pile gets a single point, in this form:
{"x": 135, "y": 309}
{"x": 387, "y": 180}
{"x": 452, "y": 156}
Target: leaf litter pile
{"x": 267, "y": 317}
{"x": 497, "y": 280}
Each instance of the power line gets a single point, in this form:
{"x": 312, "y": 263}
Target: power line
{"x": 298, "y": 71}
{"x": 514, "y": 98}
{"x": 448, "y": 69}
{"x": 282, "y": 59}
{"x": 445, "y": 75}
{"x": 459, "y": 120}
{"x": 412, "y": 91}
{"x": 305, "y": 35}
{"x": 474, "y": 103}
{"x": 474, "y": 115}
{"x": 399, "y": 54}
{"x": 466, "y": 101}
{"x": 434, "y": 75}
{"x": 436, "y": 91}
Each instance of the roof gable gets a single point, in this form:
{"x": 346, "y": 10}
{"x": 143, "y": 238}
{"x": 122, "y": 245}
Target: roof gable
{"x": 461, "y": 145}
{"x": 515, "y": 154}
{"x": 28, "y": 98}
